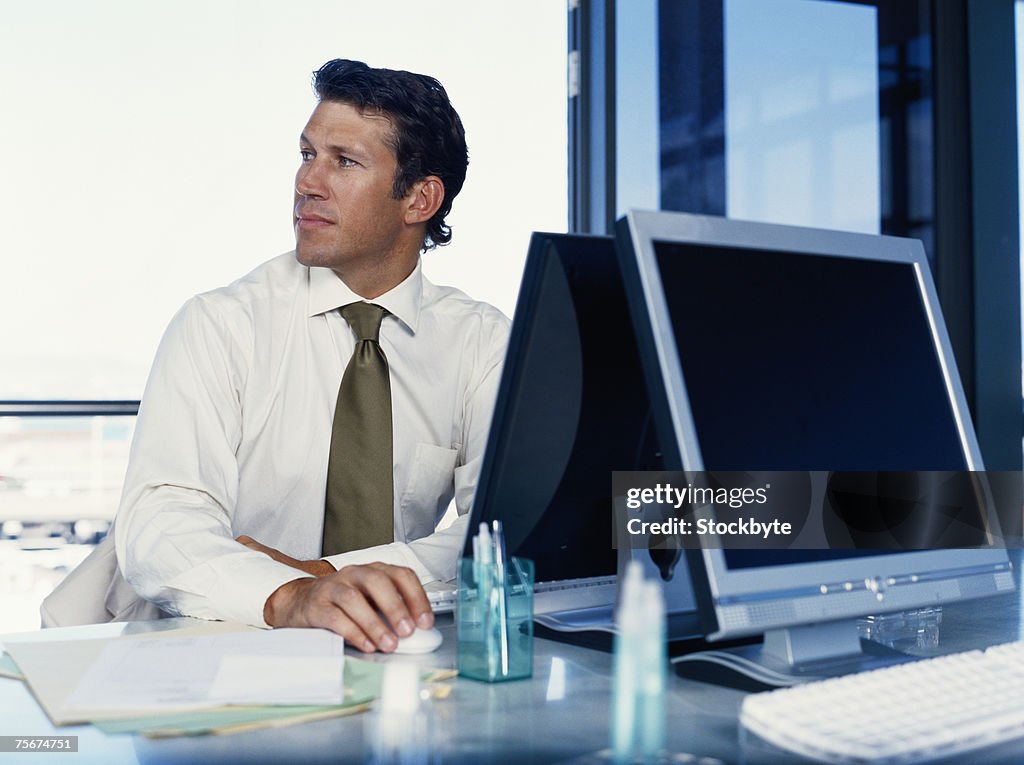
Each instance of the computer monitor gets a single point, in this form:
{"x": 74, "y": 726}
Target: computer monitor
{"x": 771, "y": 347}
{"x": 571, "y": 408}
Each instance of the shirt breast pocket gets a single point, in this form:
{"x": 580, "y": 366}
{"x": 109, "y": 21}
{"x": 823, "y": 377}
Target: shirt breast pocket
{"x": 429, "y": 488}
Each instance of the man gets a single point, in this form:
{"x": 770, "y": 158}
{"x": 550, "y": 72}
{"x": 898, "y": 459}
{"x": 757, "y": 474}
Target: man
{"x": 243, "y": 429}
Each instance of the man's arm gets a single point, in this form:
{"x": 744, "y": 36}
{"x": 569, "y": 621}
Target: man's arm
{"x": 173, "y": 532}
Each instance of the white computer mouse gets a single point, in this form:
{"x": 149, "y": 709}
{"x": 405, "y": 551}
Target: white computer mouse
{"x": 420, "y": 641}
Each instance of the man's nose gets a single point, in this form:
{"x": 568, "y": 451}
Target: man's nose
{"x": 309, "y": 181}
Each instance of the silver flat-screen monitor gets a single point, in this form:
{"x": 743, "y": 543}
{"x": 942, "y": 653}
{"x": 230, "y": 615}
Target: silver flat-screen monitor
{"x": 779, "y": 348}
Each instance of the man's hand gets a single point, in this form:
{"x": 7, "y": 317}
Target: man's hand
{"x": 314, "y": 567}
{"x": 351, "y": 602}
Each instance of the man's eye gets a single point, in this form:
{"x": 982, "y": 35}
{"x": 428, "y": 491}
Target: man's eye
{"x": 306, "y": 155}
{"x": 346, "y": 162}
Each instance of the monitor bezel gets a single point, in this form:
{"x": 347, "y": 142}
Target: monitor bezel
{"x": 638, "y": 233}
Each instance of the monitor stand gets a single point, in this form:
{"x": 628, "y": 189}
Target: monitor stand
{"x": 794, "y": 655}
{"x": 595, "y": 626}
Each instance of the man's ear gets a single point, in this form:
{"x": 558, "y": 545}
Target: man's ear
{"x": 424, "y": 199}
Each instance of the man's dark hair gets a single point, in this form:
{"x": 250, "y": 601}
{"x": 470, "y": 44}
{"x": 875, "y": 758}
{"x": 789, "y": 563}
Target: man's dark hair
{"x": 427, "y": 135}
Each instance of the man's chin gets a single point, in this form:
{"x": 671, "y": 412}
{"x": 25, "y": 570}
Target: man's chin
{"x": 314, "y": 258}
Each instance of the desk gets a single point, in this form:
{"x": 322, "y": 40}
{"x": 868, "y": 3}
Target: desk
{"x": 557, "y": 716}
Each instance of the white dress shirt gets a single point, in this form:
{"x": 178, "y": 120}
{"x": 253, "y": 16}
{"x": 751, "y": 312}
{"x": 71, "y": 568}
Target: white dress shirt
{"x": 234, "y": 431}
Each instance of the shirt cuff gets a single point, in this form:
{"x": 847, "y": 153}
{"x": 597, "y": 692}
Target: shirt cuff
{"x": 238, "y": 588}
{"x": 396, "y": 553}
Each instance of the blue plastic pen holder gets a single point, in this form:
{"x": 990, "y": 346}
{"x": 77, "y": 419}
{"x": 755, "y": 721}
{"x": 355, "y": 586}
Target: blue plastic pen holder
{"x": 494, "y": 620}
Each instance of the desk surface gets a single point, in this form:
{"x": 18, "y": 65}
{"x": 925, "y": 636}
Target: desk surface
{"x": 558, "y": 716}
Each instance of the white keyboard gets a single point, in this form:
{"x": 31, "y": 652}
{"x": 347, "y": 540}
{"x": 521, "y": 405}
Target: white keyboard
{"x": 916, "y": 712}
{"x": 442, "y": 597}
{"x": 561, "y": 595}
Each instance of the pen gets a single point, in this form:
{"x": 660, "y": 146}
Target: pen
{"x": 499, "y": 571}
{"x": 486, "y": 549}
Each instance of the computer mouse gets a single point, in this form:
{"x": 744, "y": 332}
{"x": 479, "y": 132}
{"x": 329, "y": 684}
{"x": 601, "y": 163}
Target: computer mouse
{"x": 420, "y": 641}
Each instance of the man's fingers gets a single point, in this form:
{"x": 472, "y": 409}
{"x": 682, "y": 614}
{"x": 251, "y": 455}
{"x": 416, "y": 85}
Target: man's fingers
{"x": 384, "y": 586}
{"x": 413, "y": 595}
{"x": 353, "y": 602}
{"x": 355, "y": 637}
{"x": 336, "y": 620}
{"x": 381, "y": 597}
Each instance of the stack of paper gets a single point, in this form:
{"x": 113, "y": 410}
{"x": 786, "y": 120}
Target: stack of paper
{"x": 70, "y": 671}
{"x": 171, "y": 672}
{"x": 149, "y": 676}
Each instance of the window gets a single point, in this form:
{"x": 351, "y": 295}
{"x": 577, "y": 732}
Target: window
{"x": 890, "y": 116}
{"x": 806, "y": 112}
{"x": 149, "y": 151}
{"x": 801, "y": 104}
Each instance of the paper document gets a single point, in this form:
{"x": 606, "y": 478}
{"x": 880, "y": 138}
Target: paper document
{"x": 286, "y": 680}
{"x": 284, "y": 666}
{"x": 9, "y": 669}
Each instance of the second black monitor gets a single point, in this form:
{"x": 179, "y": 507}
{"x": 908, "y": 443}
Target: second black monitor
{"x": 572, "y": 407}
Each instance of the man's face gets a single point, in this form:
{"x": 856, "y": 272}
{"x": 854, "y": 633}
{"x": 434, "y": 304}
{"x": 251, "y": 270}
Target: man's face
{"x": 345, "y": 216}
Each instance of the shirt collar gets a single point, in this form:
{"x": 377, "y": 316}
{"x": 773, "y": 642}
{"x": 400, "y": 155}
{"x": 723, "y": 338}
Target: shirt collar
{"x": 327, "y": 292}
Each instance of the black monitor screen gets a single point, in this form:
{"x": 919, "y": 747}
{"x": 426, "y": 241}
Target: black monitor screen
{"x": 801, "y": 362}
{"x": 797, "y": 362}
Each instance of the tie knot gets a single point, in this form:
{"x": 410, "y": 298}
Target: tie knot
{"x": 365, "y": 319}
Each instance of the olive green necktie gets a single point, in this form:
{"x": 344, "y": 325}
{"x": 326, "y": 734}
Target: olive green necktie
{"x": 359, "y": 508}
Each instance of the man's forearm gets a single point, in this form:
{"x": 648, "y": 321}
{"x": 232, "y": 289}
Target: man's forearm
{"x": 313, "y": 567}
{"x": 208, "y": 576}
